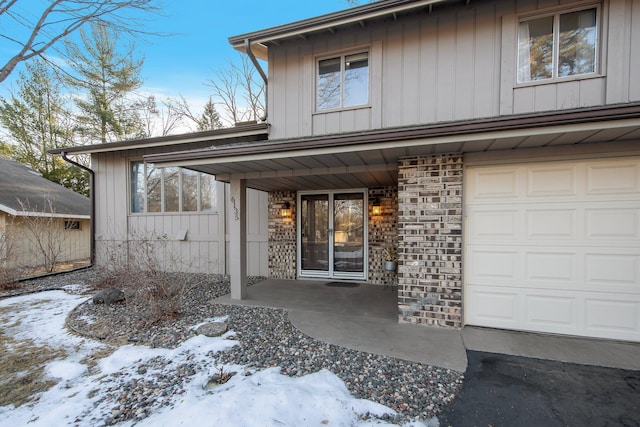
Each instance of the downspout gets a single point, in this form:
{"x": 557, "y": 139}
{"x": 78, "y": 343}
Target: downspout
{"x": 247, "y": 48}
{"x": 92, "y": 221}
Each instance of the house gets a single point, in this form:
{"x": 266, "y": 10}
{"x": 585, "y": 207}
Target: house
{"x": 180, "y": 216}
{"x": 493, "y": 144}
{"x": 41, "y": 223}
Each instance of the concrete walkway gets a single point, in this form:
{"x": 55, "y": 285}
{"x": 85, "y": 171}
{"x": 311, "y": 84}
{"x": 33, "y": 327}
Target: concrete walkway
{"x": 364, "y": 318}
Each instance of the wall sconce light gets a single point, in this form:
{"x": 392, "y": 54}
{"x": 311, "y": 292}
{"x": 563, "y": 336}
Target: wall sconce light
{"x": 376, "y": 208}
{"x": 285, "y": 212}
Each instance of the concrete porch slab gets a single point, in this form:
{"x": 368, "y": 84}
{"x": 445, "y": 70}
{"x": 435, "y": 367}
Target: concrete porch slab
{"x": 362, "y": 318}
{"x": 386, "y": 337}
{"x": 312, "y": 295}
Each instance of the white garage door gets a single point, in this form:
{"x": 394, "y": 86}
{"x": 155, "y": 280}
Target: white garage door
{"x": 554, "y": 247}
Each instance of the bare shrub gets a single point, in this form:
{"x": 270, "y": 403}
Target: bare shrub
{"x": 7, "y": 272}
{"x": 46, "y": 233}
{"x": 141, "y": 268}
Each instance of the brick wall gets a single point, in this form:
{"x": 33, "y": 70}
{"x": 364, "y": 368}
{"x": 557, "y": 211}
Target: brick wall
{"x": 430, "y": 240}
{"x": 383, "y": 231}
{"x": 282, "y": 236}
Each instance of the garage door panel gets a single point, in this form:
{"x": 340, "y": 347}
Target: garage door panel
{"x": 494, "y": 266}
{"x": 502, "y": 184}
{"x": 551, "y": 311}
{"x": 555, "y": 224}
{"x": 551, "y": 181}
{"x": 562, "y": 254}
{"x": 496, "y": 225}
{"x": 614, "y": 268}
{"x": 607, "y": 223}
{"x": 620, "y": 177}
{"x": 494, "y": 307}
{"x": 612, "y": 316}
{"x": 550, "y": 267}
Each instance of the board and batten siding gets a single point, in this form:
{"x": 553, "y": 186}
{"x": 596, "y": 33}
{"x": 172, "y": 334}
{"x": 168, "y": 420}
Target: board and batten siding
{"x": 190, "y": 242}
{"x": 457, "y": 63}
{"x": 257, "y": 231}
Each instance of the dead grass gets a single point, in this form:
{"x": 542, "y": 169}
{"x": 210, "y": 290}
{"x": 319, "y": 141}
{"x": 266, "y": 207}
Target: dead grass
{"x": 22, "y": 365}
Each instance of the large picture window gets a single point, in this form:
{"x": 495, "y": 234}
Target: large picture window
{"x": 343, "y": 81}
{"x": 170, "y": 189}
{"x": 556, "y": 46}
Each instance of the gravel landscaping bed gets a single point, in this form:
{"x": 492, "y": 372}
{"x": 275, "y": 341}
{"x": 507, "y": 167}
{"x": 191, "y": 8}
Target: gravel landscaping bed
{"x": 266, "y": 339}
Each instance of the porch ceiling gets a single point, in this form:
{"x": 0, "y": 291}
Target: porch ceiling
{"x": 370, "y": 159}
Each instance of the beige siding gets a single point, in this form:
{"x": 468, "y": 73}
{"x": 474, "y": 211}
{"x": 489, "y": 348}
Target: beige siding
{"x": 456, "y": 63}
{"x": 23, "y": 239}
{"x": 257, "y": 231}
{"x": 634, "y": 82}
{"x": 193, "y": 242}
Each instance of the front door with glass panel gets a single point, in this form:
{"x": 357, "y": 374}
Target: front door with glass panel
{"x": 331, "y": 234}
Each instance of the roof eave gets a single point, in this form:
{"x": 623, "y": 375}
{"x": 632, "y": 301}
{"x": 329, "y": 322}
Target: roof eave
{"x": 578, "y": 117}
{"x": 247, "y": 130}
{"x": 259, "y": 39}
{"x": 13, "y": 212}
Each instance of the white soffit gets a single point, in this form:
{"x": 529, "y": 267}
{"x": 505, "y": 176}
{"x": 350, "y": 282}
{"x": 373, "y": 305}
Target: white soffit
{"x": 262, "y": 152}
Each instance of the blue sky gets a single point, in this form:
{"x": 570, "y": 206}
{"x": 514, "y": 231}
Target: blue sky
{"x": 201, "y": 30}
{"x": 183, "y": 62}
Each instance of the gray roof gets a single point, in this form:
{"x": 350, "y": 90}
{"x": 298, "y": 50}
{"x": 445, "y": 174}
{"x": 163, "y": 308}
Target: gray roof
{"x": 19, "y": 184}
{"x": 329, "y": 23}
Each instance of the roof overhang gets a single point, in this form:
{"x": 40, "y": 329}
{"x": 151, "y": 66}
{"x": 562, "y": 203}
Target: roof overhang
{"x": 327, "y": 23}
{"x": 17, "y": 213}
{"x": 240, "y": 132}
{"x": 370, "y": 158}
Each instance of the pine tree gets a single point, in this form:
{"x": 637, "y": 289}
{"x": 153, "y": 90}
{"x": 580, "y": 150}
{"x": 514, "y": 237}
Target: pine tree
{"x": 210, "y": 119}
{"x": 36, "y": 120}
{"x": 107, "y": 80}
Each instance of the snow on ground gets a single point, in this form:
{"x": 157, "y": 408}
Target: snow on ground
{"x": 82, "y": 396}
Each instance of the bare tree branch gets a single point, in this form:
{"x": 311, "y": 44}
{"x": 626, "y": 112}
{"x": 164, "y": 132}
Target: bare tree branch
{"x": 240, "y": 91}
{"x": 61, "y": 18}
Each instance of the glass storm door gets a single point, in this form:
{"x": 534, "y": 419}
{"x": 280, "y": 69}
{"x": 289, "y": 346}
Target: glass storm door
{"x": 314, "y": 233}
{"x": 332, "y": 230}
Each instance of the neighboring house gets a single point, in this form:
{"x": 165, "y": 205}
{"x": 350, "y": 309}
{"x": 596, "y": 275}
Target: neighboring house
{"x": 41, "y": 223}
{"x": 495, "y": 144}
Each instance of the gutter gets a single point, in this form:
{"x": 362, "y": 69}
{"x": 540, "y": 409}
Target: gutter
{"x": 247, "y": 47}
{"x": 92, "y": 222}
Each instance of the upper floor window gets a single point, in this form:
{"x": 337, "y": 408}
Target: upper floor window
{"x": 171, "y": 189}
{"x": 343, "y": 81}
{"x": 555, "y": 46}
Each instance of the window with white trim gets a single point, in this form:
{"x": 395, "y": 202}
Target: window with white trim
{"x": 342, "y": 81}
{"x": 558, "y": 45}
{"x": 171, "y": 189}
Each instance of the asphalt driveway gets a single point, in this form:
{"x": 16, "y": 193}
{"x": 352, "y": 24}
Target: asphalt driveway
{"x": 503, "y": 390}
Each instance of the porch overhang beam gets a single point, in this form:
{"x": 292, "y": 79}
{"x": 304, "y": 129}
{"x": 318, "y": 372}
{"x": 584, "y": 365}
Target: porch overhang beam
{"x": 290, "y": 173}
{"x": 366, "y": 142}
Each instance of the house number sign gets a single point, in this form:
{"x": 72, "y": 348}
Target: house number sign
{"x": 236, "y": 213}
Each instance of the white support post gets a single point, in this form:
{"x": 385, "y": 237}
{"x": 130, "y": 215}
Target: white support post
{"x": 238, "y": 236}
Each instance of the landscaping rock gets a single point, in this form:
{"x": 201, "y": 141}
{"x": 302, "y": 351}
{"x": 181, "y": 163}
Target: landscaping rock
{"x": 108, "y": 296}
{"x": 213, "y": 329}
